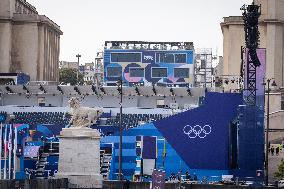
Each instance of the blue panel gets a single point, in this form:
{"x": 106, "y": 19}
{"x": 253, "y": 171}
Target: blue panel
{"x": 149, "y": 147}
{"x": 126, "y": 152}
{"x": 251, "y": 138}
{"x": 201, "y": 135}
{"x": 125, "y": 145}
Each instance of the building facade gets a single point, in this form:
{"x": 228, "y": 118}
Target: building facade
{"x": 271, "y": 28}
{"x": 29, "y": 42}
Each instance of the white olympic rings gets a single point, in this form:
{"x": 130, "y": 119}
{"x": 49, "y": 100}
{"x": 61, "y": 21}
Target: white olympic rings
{"x": 197, "y": 131}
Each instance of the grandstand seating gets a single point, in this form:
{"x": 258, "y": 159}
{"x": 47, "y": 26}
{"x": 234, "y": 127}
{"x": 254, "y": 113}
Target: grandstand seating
{"x": 34, "y": 118}
{"x": 51, "y": 89}
{"x": 3, "y": 89}
{"x": 163, "y": 91}
{"x": 197, "y": 92}
{"x": 129, "y": 91}
{"x": 132, "y": 120}
{"x": 86, "y": 89}
{"x": 146, "y": 91}
{"x": 105, "y": 90}
{"x": 34, "y": 89}
{"x": 112, "y": 91}
{"x": 68, "y": 90}
{"x": 16, "y": 89}
{"x": 181, "y": 91}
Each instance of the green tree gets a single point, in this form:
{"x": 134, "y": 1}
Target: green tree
{"x": 280, "y": 173}
{"x": 69, "y": 76}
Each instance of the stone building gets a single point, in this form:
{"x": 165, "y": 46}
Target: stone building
{"x": 29, "y": 42}
{"x": 271, "y": 28}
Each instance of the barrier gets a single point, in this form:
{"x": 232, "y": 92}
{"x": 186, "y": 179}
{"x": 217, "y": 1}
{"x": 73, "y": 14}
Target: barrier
{"x": 146, "y": 185}
{"x": 34, "y": 184}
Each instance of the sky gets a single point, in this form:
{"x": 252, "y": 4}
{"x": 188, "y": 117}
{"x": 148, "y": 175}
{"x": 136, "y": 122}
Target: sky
{"x": 86, "y": 24}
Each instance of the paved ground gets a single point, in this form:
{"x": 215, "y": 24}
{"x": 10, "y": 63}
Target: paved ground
{"x": 273, "y": 162}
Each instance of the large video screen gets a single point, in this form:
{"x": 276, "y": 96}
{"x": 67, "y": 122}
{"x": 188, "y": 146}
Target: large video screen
{"x": 181, "y": 72}
{"x": 126, "y": 57}
{"x": 180, "y": 58}
{"x": 113, "y": 71}
{"x": 170, "y": 57}
{"x": 159, "y": 72}
{"x": 136, "y": 72}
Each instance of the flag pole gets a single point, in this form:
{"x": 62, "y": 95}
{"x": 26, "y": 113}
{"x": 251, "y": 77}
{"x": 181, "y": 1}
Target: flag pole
{"x": 10, "y": 151}
{"x": 15, "y": 151}
{"x": 5, "y": 153}
{"x": 1, "y": 151}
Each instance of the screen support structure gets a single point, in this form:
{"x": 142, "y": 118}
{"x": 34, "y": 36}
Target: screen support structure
{"x": 251, "y": 14}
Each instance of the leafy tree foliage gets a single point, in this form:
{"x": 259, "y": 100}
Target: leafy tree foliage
{"x": 69, "y": 76}
{"x": 280, "y": 173}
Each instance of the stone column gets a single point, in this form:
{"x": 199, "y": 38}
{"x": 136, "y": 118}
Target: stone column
{"x": 79, "y": 157}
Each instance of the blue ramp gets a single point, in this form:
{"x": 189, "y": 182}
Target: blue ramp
{"x": 201, "y": 136}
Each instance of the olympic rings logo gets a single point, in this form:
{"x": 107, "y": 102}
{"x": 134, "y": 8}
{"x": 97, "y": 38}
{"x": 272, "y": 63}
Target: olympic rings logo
{"x": 197, "y": 131}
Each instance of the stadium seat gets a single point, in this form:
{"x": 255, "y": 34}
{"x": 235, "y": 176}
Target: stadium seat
{"x": 68, "y": 90}
{"x": 132, "y": 120}
{"x": 35, "y": 118}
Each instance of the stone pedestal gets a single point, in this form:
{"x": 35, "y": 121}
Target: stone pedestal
{"x": 79, "y": 157}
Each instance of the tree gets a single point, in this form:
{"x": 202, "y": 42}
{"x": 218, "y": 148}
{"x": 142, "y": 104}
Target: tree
{"x": 69, "y": 76}
{"x": 280, "y": 173}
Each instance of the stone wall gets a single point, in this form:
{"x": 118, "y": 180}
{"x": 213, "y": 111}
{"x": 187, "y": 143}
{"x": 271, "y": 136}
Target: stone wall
{"x": 29, "y": 43}
{"x": 271, "y": 30}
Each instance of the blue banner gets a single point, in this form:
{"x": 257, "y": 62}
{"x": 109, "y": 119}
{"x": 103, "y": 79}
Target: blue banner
{"x": 158, "y": 179}
{"x": 201, "y": 135}
{"x": 149, "y": 149}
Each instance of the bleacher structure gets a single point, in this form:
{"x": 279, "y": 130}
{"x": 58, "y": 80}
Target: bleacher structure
{"x": 86, "y": 90}
{"x": 132, "y": 120}
{"x": 111, "y": 91}
{"x": 59, "y": 118}
{"x": 67, "y": 90}
{"x": 34, "y": 89}
{"x": 129, "y": 91}
{"x": 163, "y": 91}
{"x": 181, "y": 91}
{"x": 34, "y": 118}
{"x": 16, "y": 89}
{"x": 104, "y": 90}
{"x": 51, "y": 89}
{"x": 146, "y": 91}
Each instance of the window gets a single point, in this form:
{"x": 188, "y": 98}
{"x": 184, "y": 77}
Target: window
{"x": 181, "y": 72}
{"x": 126, "y": 57}
{"x": 282, "y": 101}
{"x": 170, "y": 57}
{"x": 136, "y": 72}
{"x": 113, "y": 71}
{"x": 159, "y": 72}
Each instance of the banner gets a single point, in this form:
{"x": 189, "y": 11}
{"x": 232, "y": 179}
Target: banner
{"x": 149, "y": 149}
{"x": 158, "y": 179}
{"x": 201, "y": 136}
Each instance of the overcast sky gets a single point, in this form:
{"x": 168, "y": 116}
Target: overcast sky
{"x": 86, "y": 24}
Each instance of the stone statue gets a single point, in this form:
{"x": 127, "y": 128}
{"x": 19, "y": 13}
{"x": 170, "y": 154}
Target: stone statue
{"x": 82, "y": 116}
